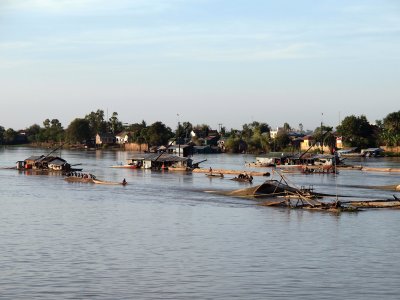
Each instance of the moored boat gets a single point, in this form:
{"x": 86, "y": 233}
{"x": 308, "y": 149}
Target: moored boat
{"x": 220, "y": 175}
{"x": 243, "y": 177}
{"x": 90, "y": 178}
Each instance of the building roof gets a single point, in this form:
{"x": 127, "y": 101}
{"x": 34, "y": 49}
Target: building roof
{"x": 123, "y": 134}
{"x": 105, "y": 135}
{"x": 35, "y": 157}
{"x": 57, "y": 161}
{"x": 51, "y": 159}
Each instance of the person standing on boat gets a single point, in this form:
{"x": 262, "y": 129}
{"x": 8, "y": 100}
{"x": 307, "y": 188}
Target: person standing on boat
{"x": 210, "y": 170}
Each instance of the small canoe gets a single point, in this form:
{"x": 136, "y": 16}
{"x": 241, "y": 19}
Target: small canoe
{"x": 85, "y": 178}
{"x": 109, "y": 182}
{"x": 79, "y": 179}
{"x": 126, "y": 166}
{"x": 220, "y": 175}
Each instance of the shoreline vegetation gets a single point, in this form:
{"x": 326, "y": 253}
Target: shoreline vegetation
{"x": 95, "y": 132}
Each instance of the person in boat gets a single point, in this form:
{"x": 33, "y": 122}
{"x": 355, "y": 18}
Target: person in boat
{"x": 210, "y": 171}
{"x": 124, "y": 181}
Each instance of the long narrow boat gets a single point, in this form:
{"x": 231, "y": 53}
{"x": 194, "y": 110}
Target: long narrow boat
{"x": 220, "y": 175}
{"x": 79, "y": 179}
{"x": 96, "y": 181}
{"x": 127, "y": 166}
{"x": 89, "y": 178}
{"x": 380, "y": 203}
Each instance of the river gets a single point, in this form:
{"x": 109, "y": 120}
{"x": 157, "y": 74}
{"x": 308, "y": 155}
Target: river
{"x": 163, "y": 236}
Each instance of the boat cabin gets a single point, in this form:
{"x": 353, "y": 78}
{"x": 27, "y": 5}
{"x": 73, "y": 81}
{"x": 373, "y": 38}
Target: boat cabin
{"x": 158, "y": 161}
{"x": 52, "y": 163}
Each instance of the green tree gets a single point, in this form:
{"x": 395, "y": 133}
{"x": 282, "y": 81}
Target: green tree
{"x": 10, "y": 136}
{"x": 158, "y": 134}
{"x": 137, "y": 132}
{"x": 247, "y": 132}
{"x": 96, "y": 122}
{"x": 286, "y": 127}
{"x": 235, "y": 144}
{"x": 182, "y": 132}
{"x": 324, "y": 135}
{"x": 222, "y": 131}
{"x": 56, "y": 131}
{"x": 281, "y": 141}
{"x": 114, "y": 124}
{"x": 78, "y": 131}
{"x": 259, "y": 143}
{"x": 143, "y": 137}
{"x": 357, "y": 132}
{"x": 390, "y": 129}
{"x": 52, "y": 131}
{"x": 33, "y": 133}
{"x": 203, "y": 129}
{"x": 301, "y": 128}
{"x": 256, "y": 137}
{"x": 2, "y": 131}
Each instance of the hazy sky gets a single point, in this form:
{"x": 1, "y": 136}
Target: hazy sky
{"x": 226, "y": 62}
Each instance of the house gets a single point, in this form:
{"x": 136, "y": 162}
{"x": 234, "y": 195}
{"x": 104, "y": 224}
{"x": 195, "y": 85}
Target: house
{"x": 211, "y": 140}
{"x": 309, "y": 143}
{"x": 122, "y": 138}
{"x": 157, "y": 161}
{"x": 339, "y": 142}
{"x": 180, "y": 150}
{"x": 197, "y": 133}
{"x": 42, "y": 162}
{"x": 274, "y": 133}
{"x": 105, "y": 139}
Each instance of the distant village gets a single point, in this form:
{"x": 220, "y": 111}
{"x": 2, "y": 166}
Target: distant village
{"x": 355, "y": 134}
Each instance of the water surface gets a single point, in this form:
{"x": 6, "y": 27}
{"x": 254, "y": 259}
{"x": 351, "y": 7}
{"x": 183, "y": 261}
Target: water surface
{"x": 163, "y": 237}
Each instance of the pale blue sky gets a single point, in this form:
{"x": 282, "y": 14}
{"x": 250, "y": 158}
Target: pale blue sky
{"x": 210, "y": 61}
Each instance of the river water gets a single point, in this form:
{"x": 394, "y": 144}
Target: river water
{"x": 163, "y": 236}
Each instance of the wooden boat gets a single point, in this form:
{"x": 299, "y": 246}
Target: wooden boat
{"x": 90, "y": 178}
{"x": 78, "y": 179}
{"x": 259, "y": 164}
{"x": 312, "y": 205}
{"x": 179, "y": 169}
{"x": 382, "y": 203}
{"x": 318, "y": 169}
{"x": 126, "y": 166}
{"x": 243, "y": 178}
{"x": 220, "y": 175}
{"x": 46, "y": 163}
{"x": 96, "y": 181}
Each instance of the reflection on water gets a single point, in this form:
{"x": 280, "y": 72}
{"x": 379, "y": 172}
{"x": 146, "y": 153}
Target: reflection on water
{"x": 162, "y": 237}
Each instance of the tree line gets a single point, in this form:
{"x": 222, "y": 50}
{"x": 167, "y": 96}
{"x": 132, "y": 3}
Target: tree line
{"x": 255, "y": 137}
